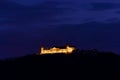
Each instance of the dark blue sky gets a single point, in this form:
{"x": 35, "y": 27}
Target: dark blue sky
{"x": 25, "y": 25}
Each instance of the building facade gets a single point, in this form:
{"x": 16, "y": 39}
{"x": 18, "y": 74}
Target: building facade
{"x": 55, "y": 50}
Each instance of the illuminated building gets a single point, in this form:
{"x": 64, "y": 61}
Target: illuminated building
{"x": 55, "y": 50}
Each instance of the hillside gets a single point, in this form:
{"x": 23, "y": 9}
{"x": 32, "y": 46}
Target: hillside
{"x": 85, "y": 62}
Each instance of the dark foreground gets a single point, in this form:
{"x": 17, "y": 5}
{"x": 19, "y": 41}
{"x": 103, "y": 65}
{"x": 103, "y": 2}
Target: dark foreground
{"x": 80, "y": 64}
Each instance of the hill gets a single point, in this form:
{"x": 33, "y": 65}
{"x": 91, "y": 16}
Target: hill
{"x": 81, "y": 62}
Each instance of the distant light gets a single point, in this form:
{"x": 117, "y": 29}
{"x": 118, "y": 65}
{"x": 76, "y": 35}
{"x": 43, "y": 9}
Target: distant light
{"x": 54, "y": 50}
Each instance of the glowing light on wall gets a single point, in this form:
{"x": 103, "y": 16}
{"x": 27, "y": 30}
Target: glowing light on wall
{"x": 54, "y": 50}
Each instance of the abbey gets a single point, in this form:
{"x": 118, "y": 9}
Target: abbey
{"x": 66, "y": 50}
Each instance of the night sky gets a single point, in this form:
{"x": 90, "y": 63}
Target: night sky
{"x": 26, "y": 25}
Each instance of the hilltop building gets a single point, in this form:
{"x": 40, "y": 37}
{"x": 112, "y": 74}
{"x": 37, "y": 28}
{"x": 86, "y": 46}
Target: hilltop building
{"x": 65, "y": 50}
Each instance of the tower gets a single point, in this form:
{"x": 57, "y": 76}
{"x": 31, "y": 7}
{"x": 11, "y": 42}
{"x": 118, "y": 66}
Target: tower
{"x": 42, "y": 49}
{"x": 69, "y": 49}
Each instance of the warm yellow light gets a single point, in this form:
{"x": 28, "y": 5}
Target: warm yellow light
{"x": 55, "y": 50}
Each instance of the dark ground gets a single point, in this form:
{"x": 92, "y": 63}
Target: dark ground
{"x": 80, "y": 64}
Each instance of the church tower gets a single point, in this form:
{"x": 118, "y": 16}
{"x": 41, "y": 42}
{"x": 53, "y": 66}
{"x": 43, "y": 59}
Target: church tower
{"x": 42, "y": 49}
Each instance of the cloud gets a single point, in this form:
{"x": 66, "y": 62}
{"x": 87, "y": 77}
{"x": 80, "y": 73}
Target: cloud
{"x": 42, "y": 14}
{"x": 118, "y": 12}
{"x": 113, "y": 20}
{"x": 23, "y": 29}
{"x": 103, "y": 36}
{"x": 97, "y": 6}
{"x": 25, "y": 2}
{"x": 53, "y": 12}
